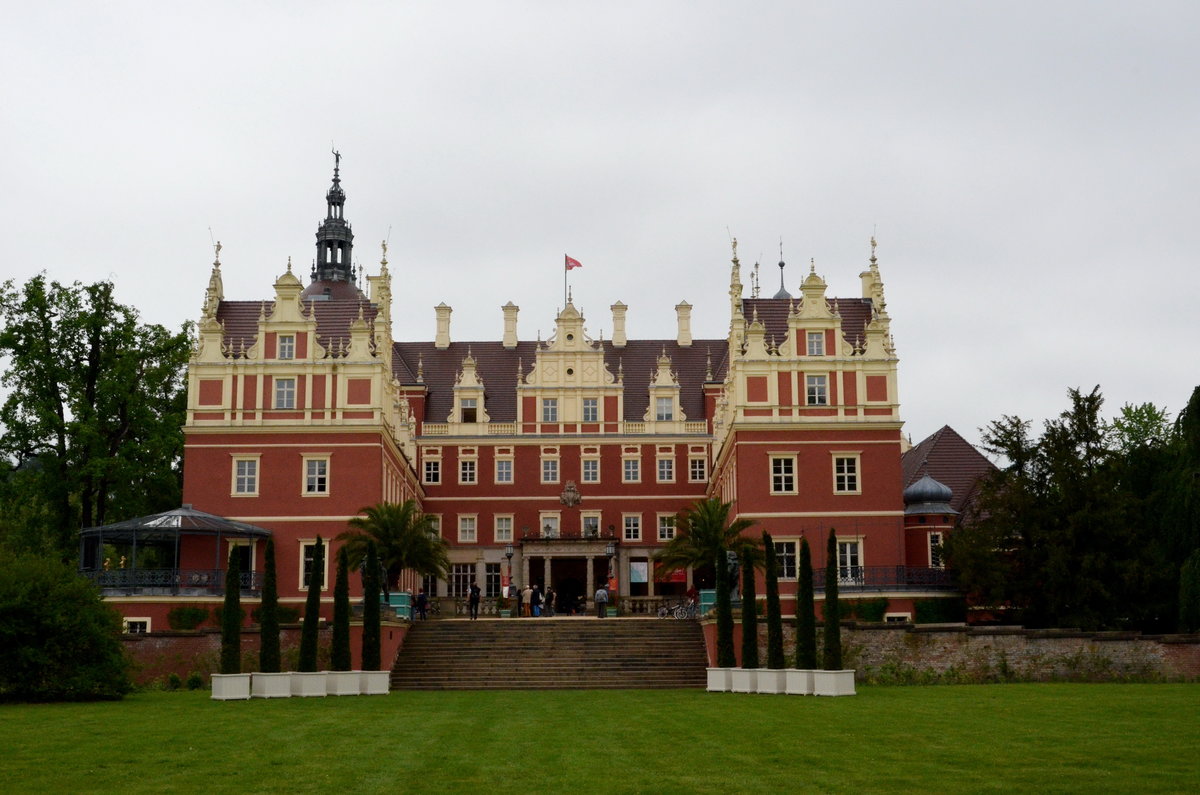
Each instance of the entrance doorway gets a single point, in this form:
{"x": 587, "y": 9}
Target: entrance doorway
{"x": 570, "y": 581}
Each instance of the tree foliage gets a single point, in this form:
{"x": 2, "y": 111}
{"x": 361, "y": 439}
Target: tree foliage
{"x": 703, "y": 536}
{"x": 340, "y": 652}
{"x": 832, "y": 653}
{"x": 370, "y": 635}
{"x": 1088, "y": 523}
{"x": 806, "y": 619}
{"x": 231, "y": 619}
{"x": 94, "y": 413}
{"x": 268, "y": 616}
{"x": 1189, "y": 594}
{"x": 749, "y": 614}
{"x": 775, "y": 657}
{"x": 404, "y": 538}
{"x": 312, "y": 611}
{"x": 58, "y": 640}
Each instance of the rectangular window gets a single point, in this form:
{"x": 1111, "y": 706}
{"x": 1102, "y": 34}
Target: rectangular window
{"x": 817, "y": 390}
{"x": 466, "y": 471}
{"x": 591, "y": 471}
{"x": 430, "y": 583}
{"x": 433, "y": 471}
{"x": 935, "y": 551}
{"x": 664, "y": 409}
{"x": 850, "y": 569}
{"x": 504, "y": 529}
{"x": 633, "y": 527}
{"x": 845, "y": 474}
{"x": 285, "y": 393}
{"x": 287, "y": 346}
{"x": 591, "y": 410}
{"x": 467, "y": 530}
{"x": 316, "y": 476}
{"x": 591, "y": 527}
{"x": 631, "y": 471}
{"x": 666, "y": 528}
{"x": 245, "y": 476}
{"x": 697, "y": 470}
{"x": 666, "y": 470}
{"x": 137, "y": 626}
{"x": 467, "y": 408}
{"x": 308, "y": 550}
{"x": 783, "y": 475}
{"x": 785, "y": 552}
{"x": 550, "y": 526}
{"x": 504, "y": 470}
{"x": 491, "y": 579}
{"x": 550, "y": 470}
{"x": 816, "y": 343}
{"x": 549, "y": 409}
{"x": 461, "y": 577}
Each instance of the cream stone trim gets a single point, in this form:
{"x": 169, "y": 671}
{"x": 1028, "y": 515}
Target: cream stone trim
{"x": 235, "y": 459}
{"x": 473, "y": 518}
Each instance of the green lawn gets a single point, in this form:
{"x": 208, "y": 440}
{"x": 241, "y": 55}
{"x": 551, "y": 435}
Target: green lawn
{"x": 960, "y": 738}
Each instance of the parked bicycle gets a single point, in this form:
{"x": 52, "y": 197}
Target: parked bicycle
{"x": 679, "y": 610}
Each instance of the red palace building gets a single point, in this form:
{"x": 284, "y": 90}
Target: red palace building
{"x": 562, "y": 462}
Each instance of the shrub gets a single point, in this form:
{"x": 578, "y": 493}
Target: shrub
{"x": 58, "y": 640}
{"x": 864, "y": 609}
{"x": 774, "y": 617}
{"x": 806, "y": 620}
{"x": 287, "y": 615}
{"x": 749, "y": 613}
{"x": 940, "y": 611}
{"x": 174, "y": 682}
{"x": 1189, "y": 594}
{"x": 186, "y": 617}
{"x": 832, "y": 653}
{"x": 268, "y": 618}
{"x": 312, "y": 612}
{"x": 340, "y": 656}
{"x": 195, "y": 681}
{"x": 370, "y": 633}
{"x": 231, "y": 618}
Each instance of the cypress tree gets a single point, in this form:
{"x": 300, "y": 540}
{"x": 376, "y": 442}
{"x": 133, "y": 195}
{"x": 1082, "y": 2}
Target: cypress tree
{"x": 340, "y": 656}
{"x": 833, "y": 629}
{"x": 725, "y": 656}
{"x": 749, "y": 614}
{"x": 774, "y": 616}
{"x": 806, "y": 619}
{"x": 312, "y": 611}
{"x": 1189, "y": 594}
{"x": 231, "y": 618}
{"x": 268, "y": 616}
{"x": 370, "y": 636}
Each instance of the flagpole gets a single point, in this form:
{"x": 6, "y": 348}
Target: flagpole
{"x": 566, "y": 270}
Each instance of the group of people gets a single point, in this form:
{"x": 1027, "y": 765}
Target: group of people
{"x": 531, "y": 602}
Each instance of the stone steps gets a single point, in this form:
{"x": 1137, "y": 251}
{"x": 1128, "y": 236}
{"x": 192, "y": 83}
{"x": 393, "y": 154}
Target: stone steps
{"x": 551, "y": 654}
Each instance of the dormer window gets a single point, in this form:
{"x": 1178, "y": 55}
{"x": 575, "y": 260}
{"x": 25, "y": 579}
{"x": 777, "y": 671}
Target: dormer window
{"x": 468, "y": 410}
{"x": 816, "y": 343}
{"x": 664, "y": 409}
{"x": 287, "y": 346}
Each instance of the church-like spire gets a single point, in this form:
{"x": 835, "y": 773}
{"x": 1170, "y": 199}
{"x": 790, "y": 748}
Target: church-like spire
{"x": 335, "y": 240}
{"x": 783, "y": 293}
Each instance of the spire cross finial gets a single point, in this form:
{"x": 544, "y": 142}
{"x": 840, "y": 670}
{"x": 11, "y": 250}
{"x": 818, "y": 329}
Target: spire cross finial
{"x": 337, "y": 162}
{"x": 217, "y": 250}
{"x": 873, "y": 260}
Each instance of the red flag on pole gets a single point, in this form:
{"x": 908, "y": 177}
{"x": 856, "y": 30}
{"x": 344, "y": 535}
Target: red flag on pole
{"x": 572, "y": 262}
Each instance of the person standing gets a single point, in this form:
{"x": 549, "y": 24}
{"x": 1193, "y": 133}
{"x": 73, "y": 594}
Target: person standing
{"x": 473, "y": 600}
{"x": 601, "y": 602}
{"x": 527, "y": 596}
{"x": 535, "y": 601}
{"x": 548, "y": 602}
{"x": 422, "y": 604}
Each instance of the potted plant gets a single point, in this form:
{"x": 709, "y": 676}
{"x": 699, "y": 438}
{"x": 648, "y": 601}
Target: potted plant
{"x": 832, "y": 679}
{"x": 612, "y": 610}
{"x": 799, "y": 680}
{"x": 503, "y": 606}
{"x": 231, "y": 683}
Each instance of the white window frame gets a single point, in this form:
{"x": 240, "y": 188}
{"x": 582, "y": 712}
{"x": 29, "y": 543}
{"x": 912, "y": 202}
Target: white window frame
{"x": 550, "y": 473}
{"x": 549, "y": 409}
{"x": 554, "y": 520}
{"x": 787, "y": 553}
{"x": 315, "y": 477}
{"x": 665, "y": 470}
{"x": 815, "y": 343}
{"x": 594, "y": 405}
{"x": 468, "y": 528}
{"x": 850, "y": 561}
{"x": 816, "y": 390}
{"x": 592, "y": 517}
{"x": 502, "y": 470}
{"x": 252, "y": 477}
{"x": 589, "y": 470}
{"x": 461, "y": 577}
{"x": 433, "y": 471}
{"x": 636, "y": 465}
{"x": 697, "y": 470}
{"x": 468, "y": 403}
{"x": 286, "y": 346}
{"x": 143, "y": 624}
{"x": 631, "y": 521}
{"x": 468, "y": 471}
{"x": 666, "y": 526}
{"x": 935, "y": 540}
{"x": 305, "y": 544}
{"x": 783, "y": 474}
{"x": 664, "y": 409}
{"x": 841, "y": 480}
{"x": 502, "y": 528}
{"x": 285, "y": 393}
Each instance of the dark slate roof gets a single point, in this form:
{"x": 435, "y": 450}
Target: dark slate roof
{"x": 497, "y": 368}
{"x": 333, "y": 317}
{"x": 773, "y": 314}
{"x": 952, "y": 461}
{"x": 185, "y": 520}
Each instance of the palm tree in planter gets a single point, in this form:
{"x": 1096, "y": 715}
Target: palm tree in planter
{"x": 831, "y": 680}
{"x": 704, "y": 536}
{"x": 404, "y": 538}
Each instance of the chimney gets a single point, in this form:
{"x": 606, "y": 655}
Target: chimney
{"x": 683, "y": 318}
{"x": 442, "y": 340}
{"x": 618, "y": 332}
{"x": 510, "y": 325}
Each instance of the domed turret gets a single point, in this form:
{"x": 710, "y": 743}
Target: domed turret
{"x": 928, "y": 496}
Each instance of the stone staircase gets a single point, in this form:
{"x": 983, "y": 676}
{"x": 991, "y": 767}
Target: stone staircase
{"x": 566, "y": 653}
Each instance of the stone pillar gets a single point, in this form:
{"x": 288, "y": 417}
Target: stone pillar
{"x": 441, "y": 340}
{"x": 683, "y": 320}
{"x": 510, "y": 325}
{"x": 524, "y": 571}
{"x": 546, "y": 573}
{"x": 618, "y": 316}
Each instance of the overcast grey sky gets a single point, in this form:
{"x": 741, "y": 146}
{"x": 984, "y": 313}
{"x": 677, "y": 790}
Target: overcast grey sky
{"x": 1030, "y": 169}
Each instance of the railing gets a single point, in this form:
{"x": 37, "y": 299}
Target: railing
{"x": 502, "y": 429}
{"x": 511, "y": 428}
{"x": 569, "y": 534}
{"x": 435, "y": 429}
{"x": 695, "y": 427}
{"x": 633, "y": 427}
{"x": 170, "y": 581}
{"x": 889, "y": 578}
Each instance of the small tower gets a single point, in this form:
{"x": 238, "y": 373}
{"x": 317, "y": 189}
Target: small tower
{"x": 335, "y": 239}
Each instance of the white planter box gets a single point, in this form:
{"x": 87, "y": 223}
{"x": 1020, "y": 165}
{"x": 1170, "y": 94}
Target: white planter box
{"x": 343, "y": 683}
{"x": 230, "y": 687}
{"x": 771, "y": 680}
{"x": 744, "y": 680}
{"x": 798, "y": 682}
{"x": 310, "y": 684}
{"x": 375, "y": 683}
{"x": 833, "y": 683}
{"x": 718, "y": 680}
{"x": 270, "y": 685}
